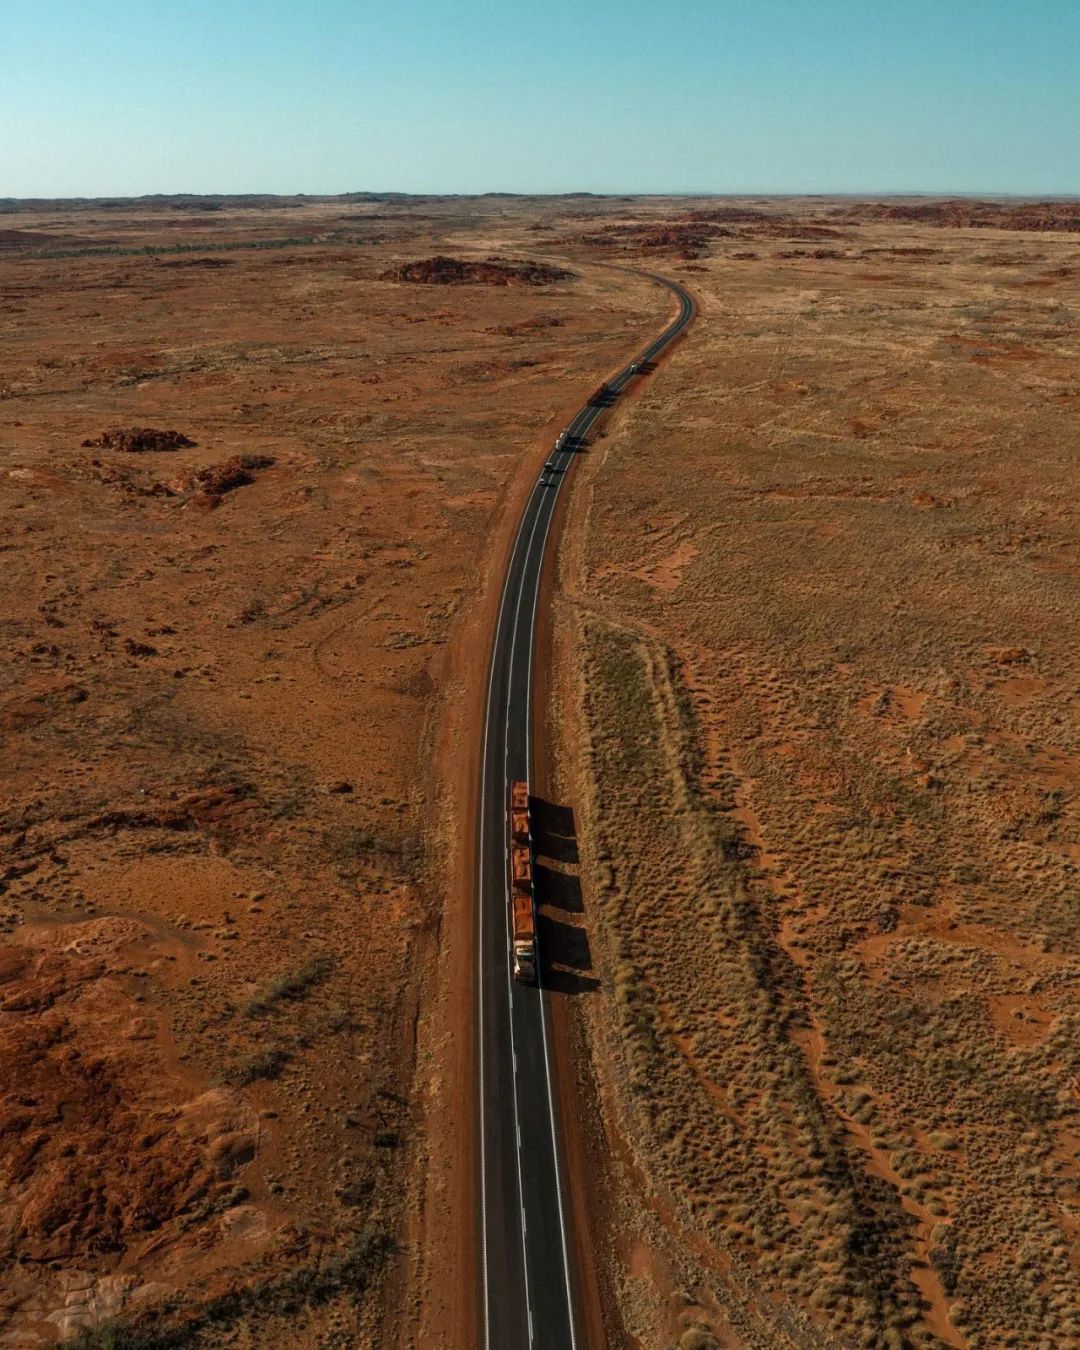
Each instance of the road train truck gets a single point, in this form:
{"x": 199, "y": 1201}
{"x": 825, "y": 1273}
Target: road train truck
{"x": 522, "y": 905}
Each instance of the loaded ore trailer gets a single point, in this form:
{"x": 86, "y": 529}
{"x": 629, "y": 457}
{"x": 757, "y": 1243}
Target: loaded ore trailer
{"x": 522, "y": 902}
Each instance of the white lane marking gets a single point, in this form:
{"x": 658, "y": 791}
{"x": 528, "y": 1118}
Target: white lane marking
{"x": 539, "y": 977}
{"x": 517, "y": 621}
{"x": 506, "y": 902}
{"x": 480, "y": 927}
{"x": 506, "y": 909}
{"x": 517, "y": 1116}
{"x": 590, "y": 416}
{"x": 513, "y": 1082}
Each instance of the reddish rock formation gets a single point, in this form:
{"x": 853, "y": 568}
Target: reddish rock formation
{"x": 136, "y": 440}
{"x": 69, "y": 1133}
{"x": 212, "y": 264}
{"x": 35, "y": 239}
{"x": 212, "y": 482}
{"x": 444, "y": 271}
{"x": 961, "y": 214}
{"x": 730, "y": 214}
{"x": 684, "y": 239}
{"x": 527, "y": 326}
{"x": 794, "y": 229}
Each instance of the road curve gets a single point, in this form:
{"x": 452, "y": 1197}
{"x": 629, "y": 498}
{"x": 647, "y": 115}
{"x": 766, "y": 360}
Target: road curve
{"x": 527, "y": 1282}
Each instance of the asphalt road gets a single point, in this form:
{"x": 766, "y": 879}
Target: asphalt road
{"x": 527, "y": 1281}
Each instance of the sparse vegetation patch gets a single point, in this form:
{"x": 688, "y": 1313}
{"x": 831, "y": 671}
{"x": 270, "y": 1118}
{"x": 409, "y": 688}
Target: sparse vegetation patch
{"x": 445, "y": 271}
{"x": 829, "y": 718}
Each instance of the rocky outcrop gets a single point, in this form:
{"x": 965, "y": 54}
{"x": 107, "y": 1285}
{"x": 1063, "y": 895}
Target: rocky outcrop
{"x": 94, "y": 1153}
{"x": 445, "y": 271}
{"x": 137, "y": 440}
{"x": 686, "y": 239}
{"x": 962, "y": 214}
{"x": 211, "y": 483}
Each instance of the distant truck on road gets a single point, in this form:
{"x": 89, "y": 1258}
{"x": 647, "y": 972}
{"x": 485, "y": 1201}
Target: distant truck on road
{"x": 522, "y": 903}
{"x": 562, "y": 439}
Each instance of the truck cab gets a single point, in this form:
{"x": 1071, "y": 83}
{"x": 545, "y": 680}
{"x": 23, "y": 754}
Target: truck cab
{"x": 525, "y": 960}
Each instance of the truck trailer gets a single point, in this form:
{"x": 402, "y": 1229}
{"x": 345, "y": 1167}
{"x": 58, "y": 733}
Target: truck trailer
{"x": 522, "y": 903}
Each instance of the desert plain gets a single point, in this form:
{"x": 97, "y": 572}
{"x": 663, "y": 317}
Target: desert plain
{"x": 811, "y": 696}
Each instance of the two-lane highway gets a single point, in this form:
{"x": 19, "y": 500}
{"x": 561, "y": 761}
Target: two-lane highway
{"x": 528, "y": 1285}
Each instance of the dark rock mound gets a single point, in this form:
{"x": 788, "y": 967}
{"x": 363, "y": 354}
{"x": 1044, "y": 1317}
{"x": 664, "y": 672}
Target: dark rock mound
{"x": 962, "y": 213}
{"x": 212, "y": 263}
{"x": 527, "y": 326}
{"x": 444, "y": 271}
{"x": 685, "y": 240}
{"x": 136, "y": 440}
{"x": 211, "y": 483}
{"x": 232, "y": 473}
{"x": 728, "y": 214}
{"x": 35, "y": 239}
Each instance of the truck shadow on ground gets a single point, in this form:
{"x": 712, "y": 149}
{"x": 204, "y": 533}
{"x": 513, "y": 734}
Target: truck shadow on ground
{"x": 553, "y": 830}
{"x": 560, "y": 890}
{"x": 565, "y": 944}
{"x": 565, "y": 954}
{"x": 566, "y": 957}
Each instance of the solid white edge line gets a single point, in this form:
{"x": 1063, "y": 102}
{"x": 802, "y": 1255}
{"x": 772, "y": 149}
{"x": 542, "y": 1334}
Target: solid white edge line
{"x": 590, "y": 417}
{"x": 506, "y": 906}
{"x": 685, "y": 315}
{"x": 591, "y": 414}
{"x": 480, "y": 925}
{"x": 549, "y": 503}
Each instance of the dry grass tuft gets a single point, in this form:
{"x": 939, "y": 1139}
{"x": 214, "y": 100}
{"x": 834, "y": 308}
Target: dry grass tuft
{"x": 828, "y": 612}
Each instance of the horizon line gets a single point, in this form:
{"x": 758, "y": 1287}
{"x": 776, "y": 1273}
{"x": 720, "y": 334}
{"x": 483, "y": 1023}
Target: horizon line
{"x": 380, "y": 194}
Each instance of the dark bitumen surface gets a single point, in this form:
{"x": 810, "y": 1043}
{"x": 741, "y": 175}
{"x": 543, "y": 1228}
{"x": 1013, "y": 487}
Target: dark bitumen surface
{"x": 527, "y": 1283}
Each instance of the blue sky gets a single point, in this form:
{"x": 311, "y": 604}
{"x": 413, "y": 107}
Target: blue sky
{"x": 129, "y": 96}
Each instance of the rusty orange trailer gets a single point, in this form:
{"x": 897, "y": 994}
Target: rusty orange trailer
{"x": 522, "y": 904}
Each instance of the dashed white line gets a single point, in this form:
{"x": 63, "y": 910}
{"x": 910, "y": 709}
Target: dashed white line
{"x": 578, "y": 427}
{"x": 539, "y": 977}
{"x": 480, "y": 934}
{"x": 506, "y": 909}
